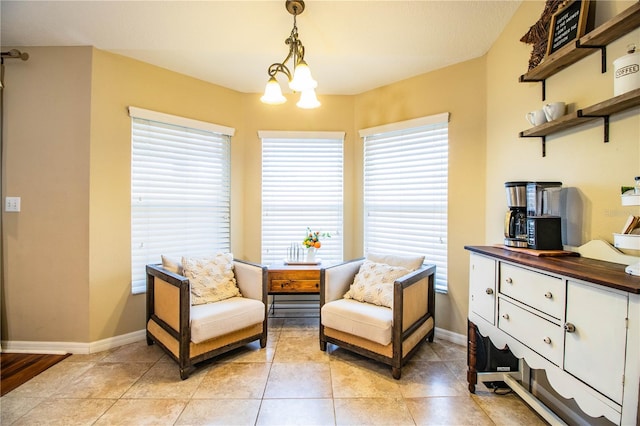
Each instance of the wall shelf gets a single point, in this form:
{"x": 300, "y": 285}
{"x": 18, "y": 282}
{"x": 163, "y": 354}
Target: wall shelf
{"x": 598, "y": 39}
{"x": 600, "y": 110}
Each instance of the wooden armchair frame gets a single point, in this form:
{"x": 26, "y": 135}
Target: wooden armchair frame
{"x": 409, "y": 329}
{"x": 169, "y": 322}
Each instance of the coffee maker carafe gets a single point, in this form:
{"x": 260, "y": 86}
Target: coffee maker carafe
{"x": 515, "y": 222}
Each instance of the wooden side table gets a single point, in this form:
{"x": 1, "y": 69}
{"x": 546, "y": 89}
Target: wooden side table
{"x": 293, "y": 279}
{"x": 289, "y": 281}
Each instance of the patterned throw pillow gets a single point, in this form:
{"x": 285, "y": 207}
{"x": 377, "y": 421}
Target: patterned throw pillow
{"x": 211, "y": 278}
{"x": 374, "y": 283}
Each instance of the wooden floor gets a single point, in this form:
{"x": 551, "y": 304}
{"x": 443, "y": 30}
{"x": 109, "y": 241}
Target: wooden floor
{"x": 16, "y": 369}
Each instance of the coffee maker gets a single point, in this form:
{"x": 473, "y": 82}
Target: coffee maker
{"x": 515, "y": 221}
{"x": 544, "y": 224}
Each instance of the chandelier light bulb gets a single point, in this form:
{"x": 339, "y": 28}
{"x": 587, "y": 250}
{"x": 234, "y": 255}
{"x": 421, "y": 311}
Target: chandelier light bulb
{"x": 273, "y": 93}
{"x": 302, "y": 79}
{"x": 308, "y": 99}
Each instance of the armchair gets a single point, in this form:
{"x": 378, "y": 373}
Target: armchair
{"x": 390, "y": 335}
{"x": 191, "y": 334}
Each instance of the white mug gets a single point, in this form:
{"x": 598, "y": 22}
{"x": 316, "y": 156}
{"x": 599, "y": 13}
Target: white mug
{"x": 536, "y": 118}
{"x": 554, "y": 110}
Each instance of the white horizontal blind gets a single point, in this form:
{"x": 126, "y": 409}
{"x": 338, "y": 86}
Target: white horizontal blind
{"x": 180, "y": 194}
{"x": 302, "y": 186}
{"x": 405, "y": 193}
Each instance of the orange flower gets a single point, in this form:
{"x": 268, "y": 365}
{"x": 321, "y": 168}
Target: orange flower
{"x": 313, "y": 238}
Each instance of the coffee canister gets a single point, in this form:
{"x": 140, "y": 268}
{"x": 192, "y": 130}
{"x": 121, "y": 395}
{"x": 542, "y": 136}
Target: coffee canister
{"x": 626, "y": 72}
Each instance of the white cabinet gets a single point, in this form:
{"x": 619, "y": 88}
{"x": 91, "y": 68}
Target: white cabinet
{"x": 596, "y": 337}
{"x": 577, "y": 319}
{"x": 482, "y": 286}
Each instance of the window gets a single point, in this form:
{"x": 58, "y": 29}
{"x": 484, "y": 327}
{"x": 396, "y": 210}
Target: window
{"x": 405, "y": 190}
{"x": 302, "y": 186}
{"x": 180, "y": 189}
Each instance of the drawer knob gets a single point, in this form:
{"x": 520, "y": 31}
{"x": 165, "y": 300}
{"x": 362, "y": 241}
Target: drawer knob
{"x": 489, "y": 291}
{"x": 505, "y": 316}
{"x": 569, "y": 328}
{"x": 548, "y": 295}
{"x": 509, "y": 280}
{"x": 547, "y": 340}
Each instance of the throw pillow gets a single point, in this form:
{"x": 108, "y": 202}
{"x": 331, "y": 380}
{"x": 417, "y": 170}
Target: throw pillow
{"x": 374, "y": 283}
{"x": 211, "y": 278}
{"x": 410, "y": 262}
{"x": 171, "y": 265}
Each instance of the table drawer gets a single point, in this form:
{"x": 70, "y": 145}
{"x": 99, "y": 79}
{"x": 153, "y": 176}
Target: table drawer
{"x": 542, "y": 292}
{"x": 294, "y": 286}
{"x": 542, "y": 336}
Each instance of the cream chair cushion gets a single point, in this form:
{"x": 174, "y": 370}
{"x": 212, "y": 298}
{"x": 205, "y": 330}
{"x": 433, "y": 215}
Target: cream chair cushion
{"x": 360, "y": 319}
{"x": 216, "y": 319}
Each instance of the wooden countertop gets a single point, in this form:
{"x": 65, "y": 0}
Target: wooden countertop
{"x": 600, "y": 272}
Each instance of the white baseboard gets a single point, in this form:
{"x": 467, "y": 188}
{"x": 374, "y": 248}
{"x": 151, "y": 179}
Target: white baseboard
{"x": 117, "y": 341}
{"x": 60, "y": 348}
{"x": 450, "y": 336}
{"x": 52, "y": 348}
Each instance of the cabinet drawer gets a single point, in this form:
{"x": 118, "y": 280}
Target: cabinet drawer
{"x": 542, "y": 336}
{"x": 294, "y": 286}
{"x": 542, "y": 292}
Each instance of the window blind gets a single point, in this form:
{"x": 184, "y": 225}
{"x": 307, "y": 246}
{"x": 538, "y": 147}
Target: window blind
{"x": 180, "y": 190}
{"x": 302, "y": 186}
{"x": 405, "y": 191}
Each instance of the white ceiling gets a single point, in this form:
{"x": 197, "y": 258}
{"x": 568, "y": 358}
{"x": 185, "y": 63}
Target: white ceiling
{"x": 351, "y": 46}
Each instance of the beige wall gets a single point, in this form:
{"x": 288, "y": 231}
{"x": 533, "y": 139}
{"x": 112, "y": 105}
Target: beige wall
{"x": 67, "y": 154}
{"x": 46, "y": 133}
{"x": 591, "y": 170}
{"x": 335, "y": 114}
{"x": 459, "y": 90}
{"x": 117, "y": 83}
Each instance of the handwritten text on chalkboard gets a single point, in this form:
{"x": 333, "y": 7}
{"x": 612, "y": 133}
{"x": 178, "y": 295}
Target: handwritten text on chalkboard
{"x": 567, "y": 25}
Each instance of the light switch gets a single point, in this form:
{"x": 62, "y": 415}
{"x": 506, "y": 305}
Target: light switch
{"x": 12, "y": 204}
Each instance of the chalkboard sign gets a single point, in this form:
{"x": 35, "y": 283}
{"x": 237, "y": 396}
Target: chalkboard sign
{"x": 567, "y": 24}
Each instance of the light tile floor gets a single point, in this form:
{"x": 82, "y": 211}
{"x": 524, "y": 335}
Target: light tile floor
{"x": 290, "y": 382}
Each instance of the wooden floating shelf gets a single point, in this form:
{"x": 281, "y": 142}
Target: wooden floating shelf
{"x": 621, "y": 24}
{"x": 558, "y": 125}
{"x": 611, "y": 106}
{"x": 600, "y": 110}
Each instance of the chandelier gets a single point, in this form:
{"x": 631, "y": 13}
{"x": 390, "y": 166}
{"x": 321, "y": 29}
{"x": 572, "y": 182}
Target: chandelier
{"x": 300, "y": 79}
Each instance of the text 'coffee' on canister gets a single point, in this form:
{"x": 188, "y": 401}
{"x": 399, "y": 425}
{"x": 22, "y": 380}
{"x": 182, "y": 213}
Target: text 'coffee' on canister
{"x": 626, "y": 72}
